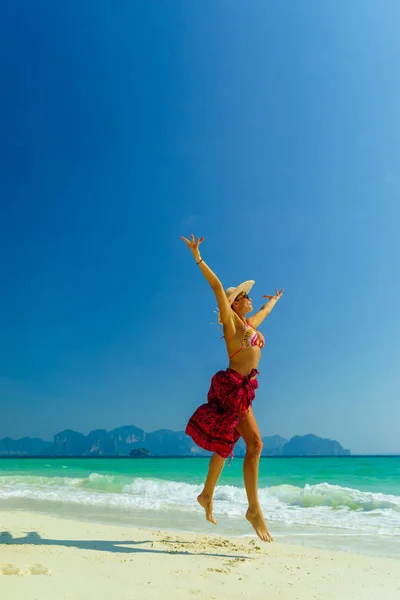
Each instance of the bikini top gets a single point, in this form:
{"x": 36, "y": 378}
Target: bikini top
{"x": 251, "y": 339}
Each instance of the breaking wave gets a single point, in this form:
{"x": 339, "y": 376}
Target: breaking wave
{"x": 322, "y": 504}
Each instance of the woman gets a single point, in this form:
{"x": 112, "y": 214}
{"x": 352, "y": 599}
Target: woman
{"x": 217, "y": 425}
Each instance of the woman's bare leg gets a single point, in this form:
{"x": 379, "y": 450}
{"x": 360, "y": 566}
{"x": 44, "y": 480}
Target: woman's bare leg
{"x": 249, "y": 431}
{"x": 206, "y": 496}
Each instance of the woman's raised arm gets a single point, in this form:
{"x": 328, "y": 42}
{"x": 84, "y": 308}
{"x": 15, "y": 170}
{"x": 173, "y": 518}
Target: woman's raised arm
{"x": 225, "y": 310}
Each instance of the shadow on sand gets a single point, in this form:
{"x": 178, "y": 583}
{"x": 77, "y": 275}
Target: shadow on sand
{"x": 33, "y": 538}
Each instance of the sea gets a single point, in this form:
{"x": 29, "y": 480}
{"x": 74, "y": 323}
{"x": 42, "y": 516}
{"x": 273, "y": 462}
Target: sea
{"x": 343, "y": 503}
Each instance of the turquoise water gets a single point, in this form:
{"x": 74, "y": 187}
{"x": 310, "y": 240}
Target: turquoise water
{"x": 348, "y": 503}
{"x": 373, "y": 474}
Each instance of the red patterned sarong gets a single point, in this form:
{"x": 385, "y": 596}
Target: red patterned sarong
{"x": 213, "y": 425}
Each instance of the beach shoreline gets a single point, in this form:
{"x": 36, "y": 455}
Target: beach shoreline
{"x": 50, "y": 558}
{"x": 193, "y": 522}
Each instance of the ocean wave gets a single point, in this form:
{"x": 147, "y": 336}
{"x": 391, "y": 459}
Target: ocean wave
{"x": 334, "y": 496}
{"x": 321, "y": 504}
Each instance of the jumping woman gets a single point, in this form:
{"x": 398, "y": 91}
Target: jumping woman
{"x": 228, "y": 414}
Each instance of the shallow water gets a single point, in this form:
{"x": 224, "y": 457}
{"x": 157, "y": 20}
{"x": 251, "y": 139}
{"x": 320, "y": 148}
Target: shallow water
{"x": 350, "y": 503}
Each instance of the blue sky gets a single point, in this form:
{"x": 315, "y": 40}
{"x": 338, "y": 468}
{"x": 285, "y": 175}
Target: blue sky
{"x": 274, "y": 131}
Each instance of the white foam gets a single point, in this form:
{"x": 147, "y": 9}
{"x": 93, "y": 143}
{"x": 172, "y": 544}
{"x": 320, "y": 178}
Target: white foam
{"x": 322, "y": 505}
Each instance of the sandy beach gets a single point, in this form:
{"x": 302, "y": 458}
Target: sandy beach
{"x": 50, "y": 558}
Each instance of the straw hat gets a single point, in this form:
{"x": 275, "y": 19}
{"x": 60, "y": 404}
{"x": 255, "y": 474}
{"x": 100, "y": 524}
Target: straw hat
{"x": 233, "y": 292}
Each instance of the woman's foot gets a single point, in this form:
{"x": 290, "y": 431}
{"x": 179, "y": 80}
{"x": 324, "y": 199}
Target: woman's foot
{"x": 206, "y": 503}
{"x": 255, "y": 517}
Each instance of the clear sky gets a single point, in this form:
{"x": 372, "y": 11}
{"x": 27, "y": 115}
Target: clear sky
{"x": 271, "y": 128}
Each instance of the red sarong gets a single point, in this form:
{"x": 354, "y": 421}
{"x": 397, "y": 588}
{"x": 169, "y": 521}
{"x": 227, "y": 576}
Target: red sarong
{"x": 213, "y": 425}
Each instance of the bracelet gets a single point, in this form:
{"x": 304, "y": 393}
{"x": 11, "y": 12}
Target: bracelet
{"x": 201, "y": 260}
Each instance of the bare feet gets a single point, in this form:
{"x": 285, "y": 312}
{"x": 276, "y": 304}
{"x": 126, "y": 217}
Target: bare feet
{"x": 255, "y": 517}
{"x": 206, "y": 503}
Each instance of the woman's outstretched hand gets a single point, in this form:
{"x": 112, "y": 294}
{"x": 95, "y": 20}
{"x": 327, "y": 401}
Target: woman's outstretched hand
{"x": 193, "y": 244}
{"x": 276, "y": 296}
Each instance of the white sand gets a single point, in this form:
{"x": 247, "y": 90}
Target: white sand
{"x": 48, "y": 558}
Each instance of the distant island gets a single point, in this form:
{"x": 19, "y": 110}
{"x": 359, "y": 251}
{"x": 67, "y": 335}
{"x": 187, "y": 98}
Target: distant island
{"x": 136, "y": 443}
